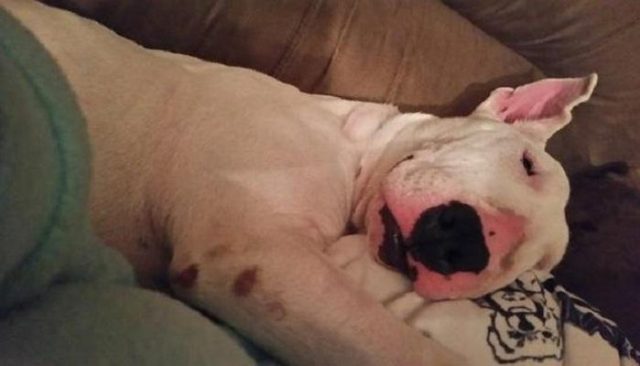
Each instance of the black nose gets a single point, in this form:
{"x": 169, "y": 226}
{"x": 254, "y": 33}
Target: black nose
{"x": 448, "y": 239}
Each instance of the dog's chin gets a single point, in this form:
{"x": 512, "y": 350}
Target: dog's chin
{"x": 436, "y": 286}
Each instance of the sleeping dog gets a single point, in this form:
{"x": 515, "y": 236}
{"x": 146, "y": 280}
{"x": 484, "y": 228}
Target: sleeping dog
{"x": 233, "y": 185}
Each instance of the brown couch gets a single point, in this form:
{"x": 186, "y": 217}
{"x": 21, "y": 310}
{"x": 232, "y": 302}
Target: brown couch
{"x": 443, "y": 57}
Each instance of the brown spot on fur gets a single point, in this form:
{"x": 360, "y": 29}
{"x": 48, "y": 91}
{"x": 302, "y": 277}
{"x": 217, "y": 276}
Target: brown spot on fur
{"x": 245, "y": 282}
{"x": 545, "y": 262}
{"x": 143, "y": 244}
{"x": 187, "y": 277}
{"x": 507, "y": 262}
{"x": 350, "y": 229}
{"x": 276, "y": 309}
{"x": 218, "y": 251}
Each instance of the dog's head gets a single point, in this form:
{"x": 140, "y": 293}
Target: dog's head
{"x": 463, "y": 206}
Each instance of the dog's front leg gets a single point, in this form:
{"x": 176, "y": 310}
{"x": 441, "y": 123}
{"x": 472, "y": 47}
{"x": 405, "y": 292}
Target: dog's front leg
{"x": 277, "y": 288}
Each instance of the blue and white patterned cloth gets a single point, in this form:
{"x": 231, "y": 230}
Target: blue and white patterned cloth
{"x": 536, "y": 321}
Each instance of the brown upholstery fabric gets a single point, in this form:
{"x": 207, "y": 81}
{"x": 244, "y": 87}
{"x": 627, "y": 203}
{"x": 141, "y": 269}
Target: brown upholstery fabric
{"x": 576, "y": 38}
{"x": 422, "y": 55}
{"x": 416, "y": 53}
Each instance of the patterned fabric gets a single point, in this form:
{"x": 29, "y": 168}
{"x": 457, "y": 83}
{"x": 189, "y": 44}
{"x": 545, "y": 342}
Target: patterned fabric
{"x": 525, "y": 324}
{"x": 528, "y": 321}
{"x": 586, "y": 317}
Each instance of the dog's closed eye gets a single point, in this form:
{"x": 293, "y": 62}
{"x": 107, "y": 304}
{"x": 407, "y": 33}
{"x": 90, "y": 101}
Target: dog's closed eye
{"x": 527, "y": 164}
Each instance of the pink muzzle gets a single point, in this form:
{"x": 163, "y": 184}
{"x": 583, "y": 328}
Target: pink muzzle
{"x": 448, "y": 248}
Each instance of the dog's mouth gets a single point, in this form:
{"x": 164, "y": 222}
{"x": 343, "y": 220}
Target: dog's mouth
{"x": 393, "y": 251}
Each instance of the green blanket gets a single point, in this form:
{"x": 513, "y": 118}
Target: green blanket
{"x": 65, "y": 299}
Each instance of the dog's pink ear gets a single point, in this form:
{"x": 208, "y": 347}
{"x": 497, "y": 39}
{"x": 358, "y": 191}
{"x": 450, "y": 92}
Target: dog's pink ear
{"x": 541, "y": 108}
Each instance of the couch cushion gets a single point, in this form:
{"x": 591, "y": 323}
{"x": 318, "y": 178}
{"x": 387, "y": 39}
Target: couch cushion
{"x": 419, "y": 54}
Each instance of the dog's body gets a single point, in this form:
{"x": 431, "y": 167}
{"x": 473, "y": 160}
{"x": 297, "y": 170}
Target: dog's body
{"x": 238, "y": 183}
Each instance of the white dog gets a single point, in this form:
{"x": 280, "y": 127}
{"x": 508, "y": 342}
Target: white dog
{"x": 235, "y": 184}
